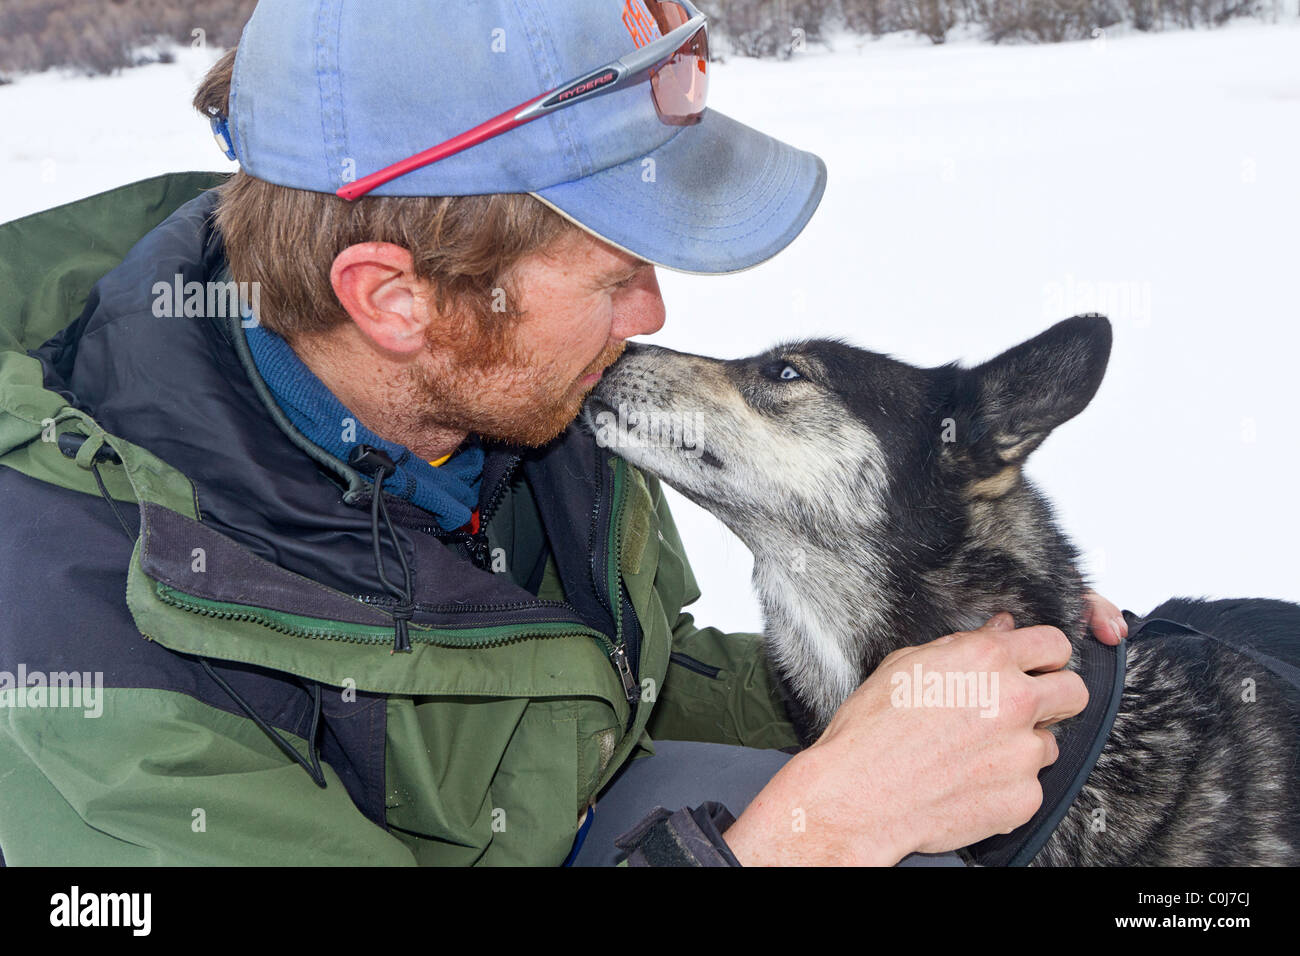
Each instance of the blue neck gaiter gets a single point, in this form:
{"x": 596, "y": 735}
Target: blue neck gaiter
{"x": 449, "y": 492}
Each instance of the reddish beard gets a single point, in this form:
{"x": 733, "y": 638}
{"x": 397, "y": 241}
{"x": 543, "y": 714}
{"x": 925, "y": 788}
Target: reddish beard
{"x": 507, "y": 398}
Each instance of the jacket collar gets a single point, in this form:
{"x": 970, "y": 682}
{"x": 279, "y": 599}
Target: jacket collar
{"x": 449, "y": 492}
{"x": 187, "y": 390}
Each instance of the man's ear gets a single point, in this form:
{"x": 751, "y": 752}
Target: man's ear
{"x": 376, "y": 284}
{"x": 1012, "y": 402}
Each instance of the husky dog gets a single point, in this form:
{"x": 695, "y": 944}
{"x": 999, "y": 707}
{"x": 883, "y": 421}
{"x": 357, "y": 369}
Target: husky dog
{"x": 886, "y": 505}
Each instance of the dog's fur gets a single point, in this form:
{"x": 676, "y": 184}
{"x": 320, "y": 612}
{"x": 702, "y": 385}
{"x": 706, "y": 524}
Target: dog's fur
{"x": 885, "y": 505}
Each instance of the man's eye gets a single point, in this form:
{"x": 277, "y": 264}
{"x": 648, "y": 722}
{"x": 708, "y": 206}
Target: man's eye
{"x": 631, "y": 278}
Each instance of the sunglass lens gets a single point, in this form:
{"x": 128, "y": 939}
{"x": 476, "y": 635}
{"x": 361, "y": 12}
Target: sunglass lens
{"x": 681, "y": 84}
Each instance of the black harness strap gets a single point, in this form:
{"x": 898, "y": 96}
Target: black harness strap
{"x": 1081, "y": 741}
{"x": 1159, "y": 627}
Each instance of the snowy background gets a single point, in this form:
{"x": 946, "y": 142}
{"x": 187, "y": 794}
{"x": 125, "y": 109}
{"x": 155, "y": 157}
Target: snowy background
{"x": 976, "y": 195}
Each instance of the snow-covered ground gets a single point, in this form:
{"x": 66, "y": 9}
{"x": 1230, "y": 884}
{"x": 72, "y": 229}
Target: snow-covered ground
{"x": 976, "y": 195}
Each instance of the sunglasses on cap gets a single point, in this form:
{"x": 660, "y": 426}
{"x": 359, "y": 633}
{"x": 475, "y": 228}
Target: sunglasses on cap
{"x": 672, "y": 40}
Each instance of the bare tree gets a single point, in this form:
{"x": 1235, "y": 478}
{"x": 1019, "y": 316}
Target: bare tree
{"x": 930, "y": 18}
{"x": 101, "y": 37}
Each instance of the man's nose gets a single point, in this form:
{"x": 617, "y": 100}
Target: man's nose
{"x": 642, "y": 311}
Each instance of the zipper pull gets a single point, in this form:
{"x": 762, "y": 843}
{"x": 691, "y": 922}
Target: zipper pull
{"x": 630, "y": 689}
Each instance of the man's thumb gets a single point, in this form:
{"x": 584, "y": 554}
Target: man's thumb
{"x": 1002, "y": 621}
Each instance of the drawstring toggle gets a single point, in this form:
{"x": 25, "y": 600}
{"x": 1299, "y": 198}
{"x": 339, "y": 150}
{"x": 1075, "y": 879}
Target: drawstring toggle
{"x": 377, "y": 465}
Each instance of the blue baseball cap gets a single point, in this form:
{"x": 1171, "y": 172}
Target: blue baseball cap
{"x": 327, "y": 91}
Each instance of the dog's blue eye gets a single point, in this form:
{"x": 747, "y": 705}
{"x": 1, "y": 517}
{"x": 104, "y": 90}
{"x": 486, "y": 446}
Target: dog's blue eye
{"x": 780, "y": 372}
{"x": 787, "y": 372}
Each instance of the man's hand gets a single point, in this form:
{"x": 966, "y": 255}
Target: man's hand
{"x": 1107, "y": 623}
{"x": 886, "y": 780}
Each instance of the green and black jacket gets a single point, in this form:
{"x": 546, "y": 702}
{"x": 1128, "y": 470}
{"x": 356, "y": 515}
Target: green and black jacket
{"x": 166, "y": 531}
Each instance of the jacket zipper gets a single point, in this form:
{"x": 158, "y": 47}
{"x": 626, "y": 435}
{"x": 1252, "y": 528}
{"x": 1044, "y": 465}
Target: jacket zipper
{"x": 622, "y": 663}
{"x": 366, "y": 633}
{"x": 386, "y": 603}
{"x": 475, "y": 543}
{"x": 691, "y": 664}
{"x": 498, "y": 493}
{"x": 618, "y": 657}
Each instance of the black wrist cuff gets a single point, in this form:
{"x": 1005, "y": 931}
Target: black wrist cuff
{"x": 685, "y": 838}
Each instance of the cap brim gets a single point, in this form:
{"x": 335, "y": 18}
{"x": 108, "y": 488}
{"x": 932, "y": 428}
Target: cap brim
{"x": 717, "y": 197}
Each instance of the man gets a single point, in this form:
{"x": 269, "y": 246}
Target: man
{"x": 295, "y": 669}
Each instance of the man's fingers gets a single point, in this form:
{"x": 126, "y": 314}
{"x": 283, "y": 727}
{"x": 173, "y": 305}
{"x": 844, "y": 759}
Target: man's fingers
{"x": 1105, "y": 619}
{"x": 1051, "y": 749}
{"x": 1062, "y": 694}
{"x": 1041, "y": 648}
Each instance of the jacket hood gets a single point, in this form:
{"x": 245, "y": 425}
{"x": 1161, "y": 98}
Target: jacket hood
{"x": 176, "y": 386}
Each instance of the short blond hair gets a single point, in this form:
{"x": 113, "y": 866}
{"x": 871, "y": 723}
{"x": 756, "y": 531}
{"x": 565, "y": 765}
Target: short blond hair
{"x": 286, "y": 239}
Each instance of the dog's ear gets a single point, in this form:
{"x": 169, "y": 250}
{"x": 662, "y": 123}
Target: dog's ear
{"x": 1012, "y": 402}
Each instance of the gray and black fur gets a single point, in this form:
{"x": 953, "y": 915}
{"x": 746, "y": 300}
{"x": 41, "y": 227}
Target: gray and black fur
{"x": 886, "y": 505}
